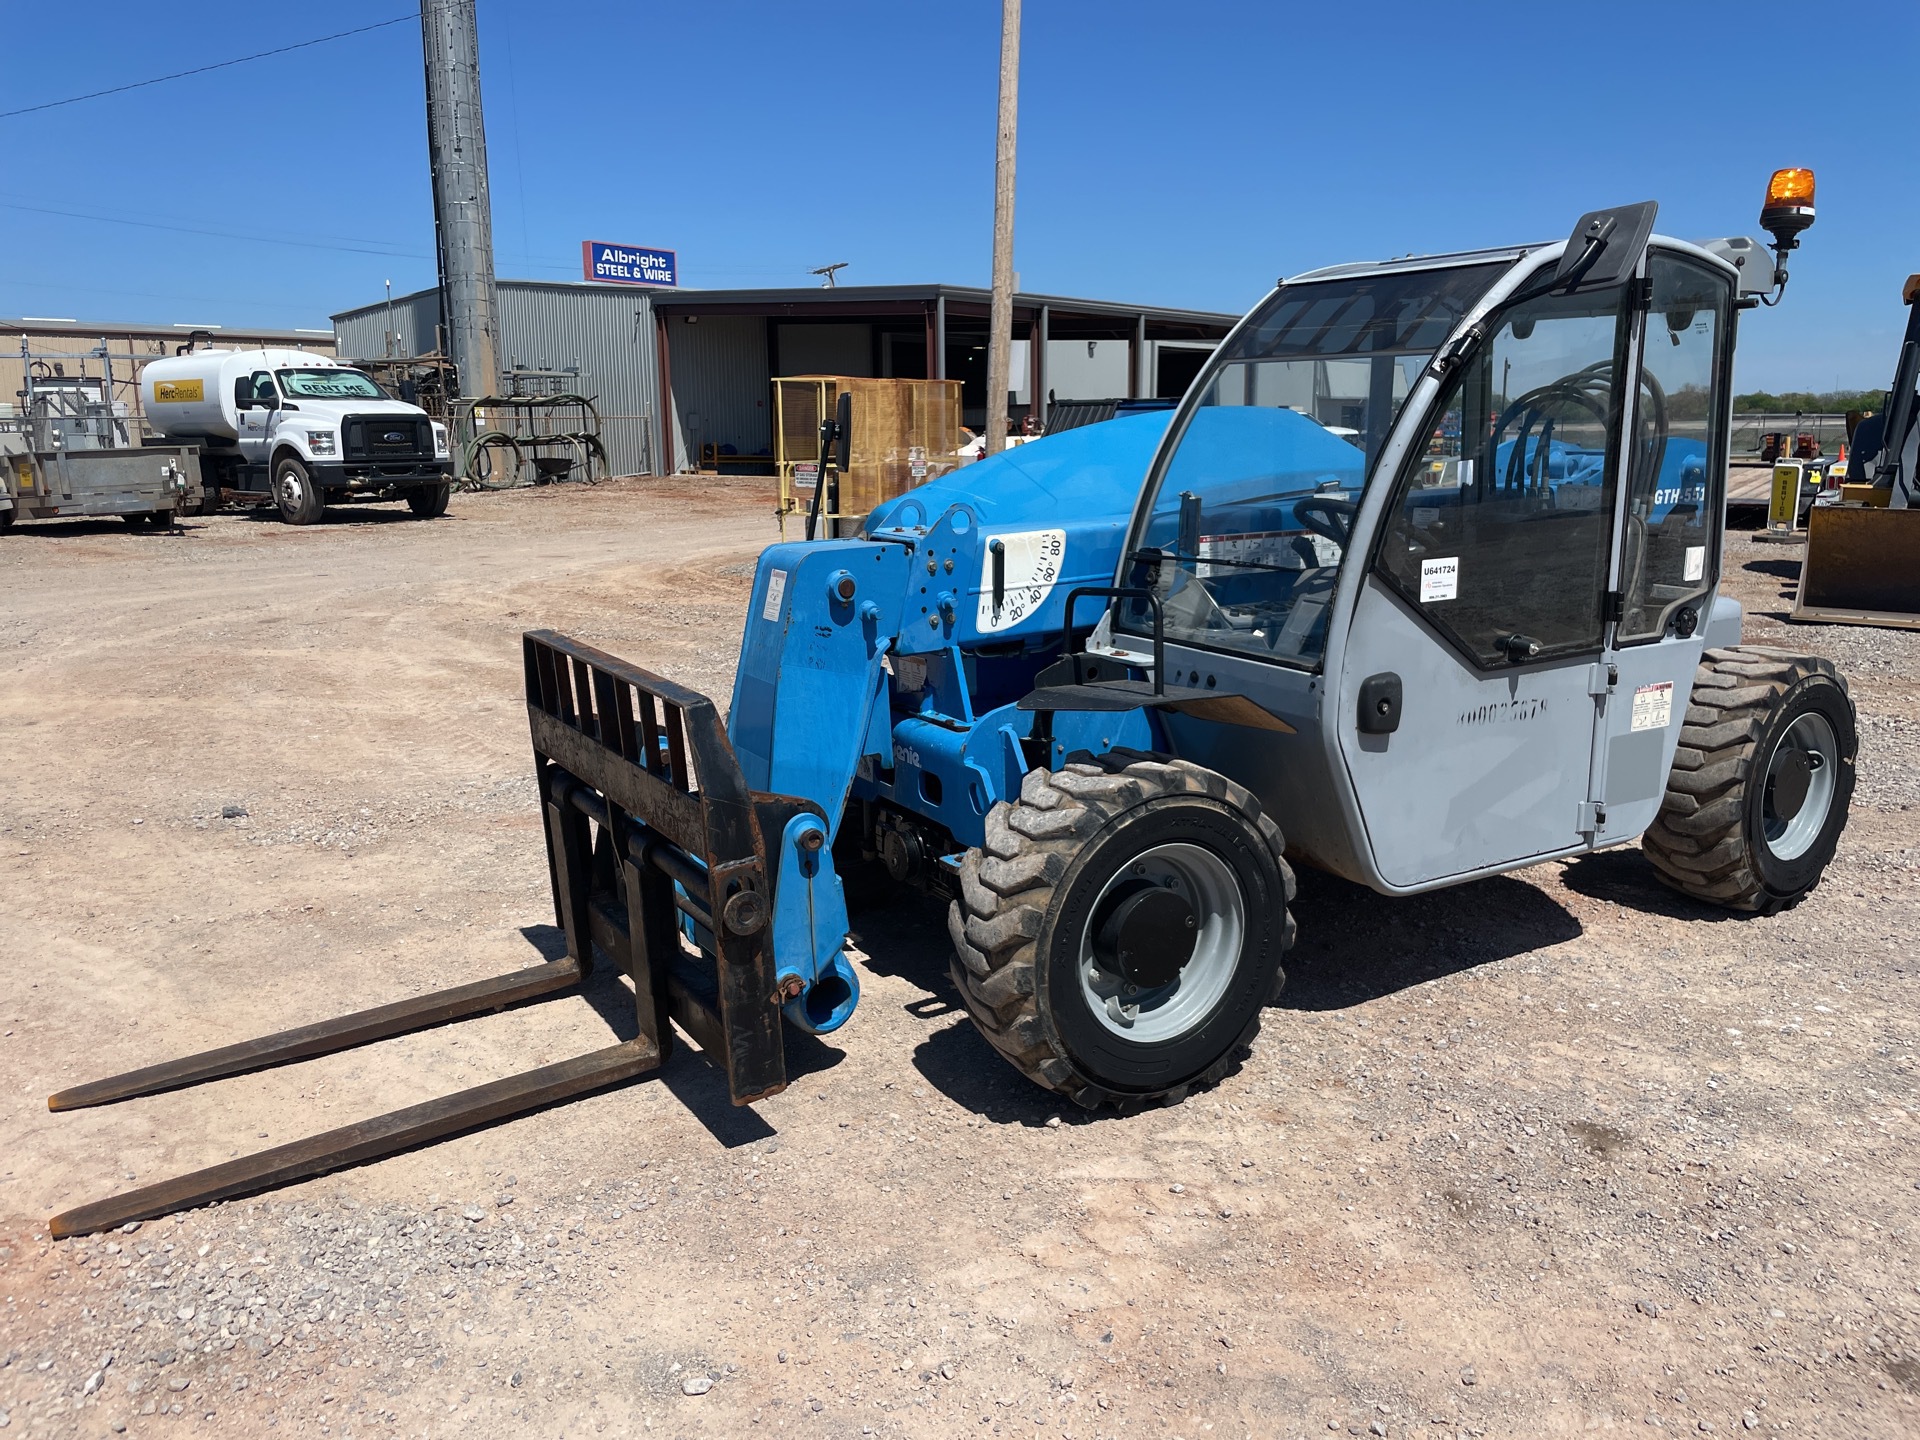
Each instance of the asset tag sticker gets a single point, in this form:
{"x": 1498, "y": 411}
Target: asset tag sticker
{"x": 1440, "y": 579}
{"x": 1032, "y": 561}
{"x": 776, "y": 593}
{"x": 1696, "y": 562}
{"x": 1653, "y": 706}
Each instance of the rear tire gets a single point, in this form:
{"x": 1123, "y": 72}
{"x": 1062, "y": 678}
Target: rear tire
{"x": 430, "y": 501}
{"x": 300, "y": 500}
{"x": 1119, "y": 934}
{"x": 1760, "y": 784}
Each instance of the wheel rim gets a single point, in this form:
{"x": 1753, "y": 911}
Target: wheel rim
{"x": 1146, "y": 1014}
{"x": 292, "y": 492}
{"x": 1799, "y": 787}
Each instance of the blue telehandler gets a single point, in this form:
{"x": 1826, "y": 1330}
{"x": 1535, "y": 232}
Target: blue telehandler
{"x": 1419, "y": 583}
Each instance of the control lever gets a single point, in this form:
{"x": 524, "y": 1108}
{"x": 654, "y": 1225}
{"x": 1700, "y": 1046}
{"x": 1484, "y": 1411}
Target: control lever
{"x": 998, "y": 550}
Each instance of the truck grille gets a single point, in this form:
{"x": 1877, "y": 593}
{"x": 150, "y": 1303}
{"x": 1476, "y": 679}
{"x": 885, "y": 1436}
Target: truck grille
{"x": 386, "y": 437}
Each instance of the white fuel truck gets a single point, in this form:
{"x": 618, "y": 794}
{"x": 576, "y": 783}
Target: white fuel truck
{"x": 302, "y": 429}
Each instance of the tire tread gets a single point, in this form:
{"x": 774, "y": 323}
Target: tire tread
{"x": 1698, "y": 843}
{"x": 1007, "y": 889}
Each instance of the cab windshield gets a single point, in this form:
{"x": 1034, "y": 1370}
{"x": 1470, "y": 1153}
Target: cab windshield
{"x": 328, "y": 385}
{"x": 1251, "y": 514}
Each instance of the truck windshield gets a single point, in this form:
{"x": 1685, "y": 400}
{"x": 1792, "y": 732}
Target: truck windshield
{"x": 1247, "y": 525}
{"x": 329, "y": 385}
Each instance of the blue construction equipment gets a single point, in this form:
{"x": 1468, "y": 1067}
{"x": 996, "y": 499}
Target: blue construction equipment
{"x": 1423, "y": 569}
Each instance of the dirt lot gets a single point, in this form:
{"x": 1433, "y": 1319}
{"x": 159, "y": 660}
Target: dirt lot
{"x": 1546, "y": 1154}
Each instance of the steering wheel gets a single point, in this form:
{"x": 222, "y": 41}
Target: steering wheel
{"x": 1328, "y": 517}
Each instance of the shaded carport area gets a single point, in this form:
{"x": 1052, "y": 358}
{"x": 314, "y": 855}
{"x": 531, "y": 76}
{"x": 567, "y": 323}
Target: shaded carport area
{"x": 720, "y": 350}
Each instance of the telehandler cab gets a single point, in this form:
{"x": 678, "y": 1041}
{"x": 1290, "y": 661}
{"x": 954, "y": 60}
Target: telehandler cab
{"x": 1418, "y": 584}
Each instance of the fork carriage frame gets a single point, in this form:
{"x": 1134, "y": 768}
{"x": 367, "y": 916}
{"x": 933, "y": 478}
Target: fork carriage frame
{"x": 653, "y": 840}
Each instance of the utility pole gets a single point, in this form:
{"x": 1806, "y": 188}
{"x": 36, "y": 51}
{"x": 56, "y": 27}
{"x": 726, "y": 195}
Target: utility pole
{"x": 1000, "y": 339}
{"x": 462, "y": 210}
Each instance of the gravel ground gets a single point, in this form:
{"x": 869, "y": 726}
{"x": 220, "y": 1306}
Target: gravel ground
{"x": 1551, "y": 1153}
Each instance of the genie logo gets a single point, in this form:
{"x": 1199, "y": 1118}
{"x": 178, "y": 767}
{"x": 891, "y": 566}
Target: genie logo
{"x": 629, "y": 264}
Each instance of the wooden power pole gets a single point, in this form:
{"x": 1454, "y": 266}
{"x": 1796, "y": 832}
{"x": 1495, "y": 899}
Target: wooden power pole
{"x": 1000, "y": 340}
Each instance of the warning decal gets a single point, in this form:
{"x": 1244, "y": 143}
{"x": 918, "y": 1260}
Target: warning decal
{"x": 1653, "y": 706}
{"x": 776, "y": 594}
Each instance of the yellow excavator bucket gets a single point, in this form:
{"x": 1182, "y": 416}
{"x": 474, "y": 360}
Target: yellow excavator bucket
{"x": 1862, "y": 567}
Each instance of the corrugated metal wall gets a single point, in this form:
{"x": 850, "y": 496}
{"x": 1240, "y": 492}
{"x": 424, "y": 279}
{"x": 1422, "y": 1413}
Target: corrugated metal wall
{"x": 410, "y": 328}
{"x": 721, "y": 384}
{"x": 605, "y": 333}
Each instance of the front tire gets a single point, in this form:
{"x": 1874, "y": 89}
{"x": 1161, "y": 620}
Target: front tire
{"x": 1760, "y": 784}
{"x": 300, "y": 500}
{"x": 430, "y": 501}
{"x": 1123, "y": 927}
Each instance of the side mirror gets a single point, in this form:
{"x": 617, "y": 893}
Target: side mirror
{"x": 843, "y": 432}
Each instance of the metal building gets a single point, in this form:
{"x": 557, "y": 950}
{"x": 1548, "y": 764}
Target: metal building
{"x": 706, "y": 359}
{"x": 116, "y": 352}
{"x": 600, "y": 336}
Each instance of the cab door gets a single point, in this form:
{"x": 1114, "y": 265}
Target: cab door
{"x": 1670, "y": 535}
{"x": 1485, "y": 610}
{"x": 256, "y": 422}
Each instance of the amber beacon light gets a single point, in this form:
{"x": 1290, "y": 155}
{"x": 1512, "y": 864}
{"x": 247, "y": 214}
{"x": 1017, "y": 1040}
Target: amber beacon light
{"x": 1789, "y": 206}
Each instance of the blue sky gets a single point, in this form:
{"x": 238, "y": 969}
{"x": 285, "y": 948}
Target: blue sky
{"x": 1180, "y": 154}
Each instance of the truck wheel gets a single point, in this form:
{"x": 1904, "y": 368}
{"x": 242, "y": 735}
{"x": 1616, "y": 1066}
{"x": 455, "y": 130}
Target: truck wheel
{"x": 301, "y": 501}
{"x": 1123, "y": 927}
{"x": 7, "y": 517}
{"x": 430, "y": 501}
{"x": 1760, "y": 784}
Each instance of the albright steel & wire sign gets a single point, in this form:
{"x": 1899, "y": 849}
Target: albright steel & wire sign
{"x": 629, "y": 264}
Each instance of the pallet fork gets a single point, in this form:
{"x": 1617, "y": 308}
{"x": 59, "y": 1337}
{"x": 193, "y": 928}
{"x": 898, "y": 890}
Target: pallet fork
{"x": 653, "y": 840}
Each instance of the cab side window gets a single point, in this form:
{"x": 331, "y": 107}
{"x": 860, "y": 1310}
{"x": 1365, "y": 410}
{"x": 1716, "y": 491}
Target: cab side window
{"x": 1499, "y": 533}
{"x": 1671, "y": 545}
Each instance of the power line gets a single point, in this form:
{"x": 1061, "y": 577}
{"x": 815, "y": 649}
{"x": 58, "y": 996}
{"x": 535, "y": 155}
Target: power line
{"x": 386, "y": 252}
{"x": 203, "y": 69}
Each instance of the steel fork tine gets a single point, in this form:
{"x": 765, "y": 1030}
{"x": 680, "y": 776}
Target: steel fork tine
{"x": 367, "y": 1140}
{"x": 418, "y": 1012}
